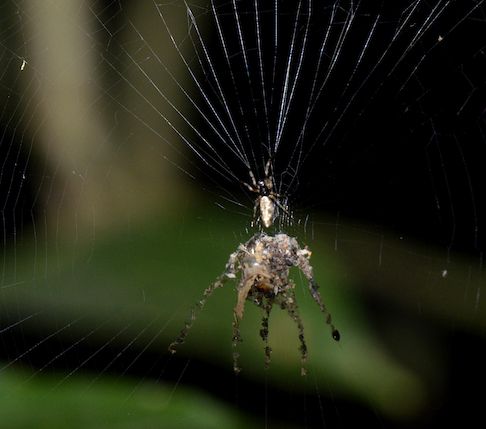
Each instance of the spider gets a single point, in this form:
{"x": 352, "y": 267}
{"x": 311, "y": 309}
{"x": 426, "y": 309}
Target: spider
{"x": 267, "y": 199}
{"x": 263, "y": 264}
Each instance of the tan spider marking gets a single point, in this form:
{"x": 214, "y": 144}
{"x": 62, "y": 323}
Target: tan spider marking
{"x": 263, "y": 264}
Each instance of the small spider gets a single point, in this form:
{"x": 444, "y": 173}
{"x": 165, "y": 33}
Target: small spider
{"x": 267, "y": 199}
{"x": 263, "y": 264}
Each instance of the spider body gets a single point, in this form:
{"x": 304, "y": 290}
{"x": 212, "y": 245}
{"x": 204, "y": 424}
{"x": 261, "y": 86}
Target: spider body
{"x": 267, "y": 211}
{"x": 262, "y": 265}
{"x": 267, "y": 198}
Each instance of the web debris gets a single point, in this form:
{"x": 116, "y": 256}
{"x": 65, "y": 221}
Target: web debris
{"x": 263, "y": 264}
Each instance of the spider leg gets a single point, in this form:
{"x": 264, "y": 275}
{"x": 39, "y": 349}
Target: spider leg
{"x": 275, "y": 197}
{"x": 314, "y": 290}
{"x": 262, "y": 296}
{"x": 313, "y": 287}
{"x": 251, "y": 188}
{"x": 267, "y": 166}
{"x": 266, "y": 314}
{"x": 290, "y": 304}
{"x": 236, "y": 339}
{"x": 255, "y": 210}
{"x": 200, "y": 305}
{"x": 253, "y": 180}
{"x": 264, "y": 331}
{"x": 257, "y": 202}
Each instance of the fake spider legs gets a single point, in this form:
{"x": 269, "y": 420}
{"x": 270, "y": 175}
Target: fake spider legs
{"x": 263, "y": 265}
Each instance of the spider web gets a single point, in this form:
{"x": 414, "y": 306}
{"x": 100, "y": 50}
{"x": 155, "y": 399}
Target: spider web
{"x": 127, "y": 128}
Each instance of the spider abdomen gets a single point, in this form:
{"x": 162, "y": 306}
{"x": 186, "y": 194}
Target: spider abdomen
{"x": 267, "y": 211}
